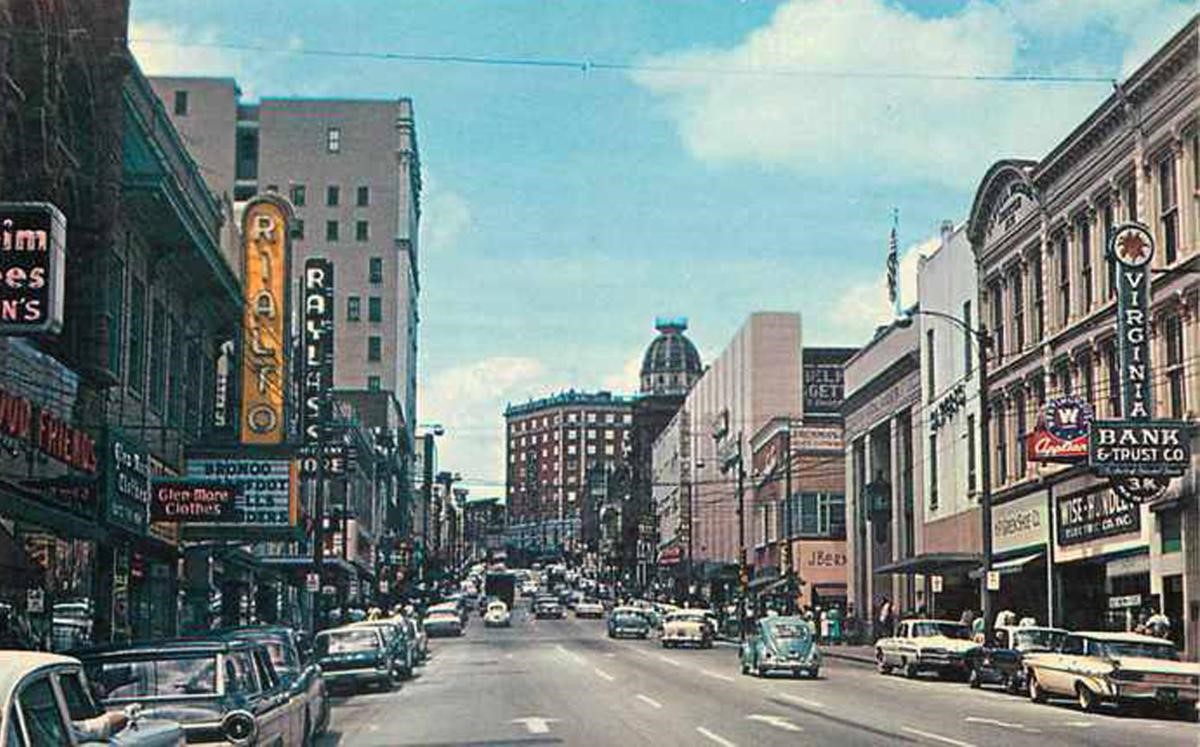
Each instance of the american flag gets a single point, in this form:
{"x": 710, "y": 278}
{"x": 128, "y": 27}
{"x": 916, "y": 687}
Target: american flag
{"x": 893, "y": 267}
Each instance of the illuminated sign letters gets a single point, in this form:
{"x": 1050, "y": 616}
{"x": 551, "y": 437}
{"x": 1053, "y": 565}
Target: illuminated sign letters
{"x": 265, "y": 253}
{"x": 33, "y": 239}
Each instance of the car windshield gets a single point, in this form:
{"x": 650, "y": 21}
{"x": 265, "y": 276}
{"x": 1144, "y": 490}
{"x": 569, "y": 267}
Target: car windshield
{"x": 686, "y": 617}
{"x": 347, "y": 641}
{"x": 627, "y": 618}
{"x": 1037, "y": 640}
{"x": 1119, "y": 649}
{"x": 947, "y": 629}
{"x": 165, "y": 676}
{"x": 789, "y": 630}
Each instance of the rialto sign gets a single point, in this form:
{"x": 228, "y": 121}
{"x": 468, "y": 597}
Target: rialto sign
{"x": 266, "y": 266}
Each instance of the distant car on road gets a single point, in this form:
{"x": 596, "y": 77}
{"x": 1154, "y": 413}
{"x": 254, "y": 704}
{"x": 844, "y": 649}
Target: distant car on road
{"x": 440, "y": 623}
{"x": 497, "y": 615}
{"x": 589, "y": 608}
{"x": 686, "y": 627}
{"x": 926, "y": 646}
{"x": 545, "y": 609}
{"x": 1125, "y": 669}
{"x": 1003, "y": 663}
{"x": 355, "y": 657}
{"x": 781, "y": 644}
{"x": 626, "y": 622}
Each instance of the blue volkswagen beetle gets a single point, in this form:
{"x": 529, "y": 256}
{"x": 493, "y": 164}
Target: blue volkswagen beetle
{"x": 781, "y": 644}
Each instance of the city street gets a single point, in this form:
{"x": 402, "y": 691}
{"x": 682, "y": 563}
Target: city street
{"x": 564, "y": 682}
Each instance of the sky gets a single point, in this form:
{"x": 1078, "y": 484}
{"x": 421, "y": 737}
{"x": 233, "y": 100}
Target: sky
{"x": 605, "y": 162}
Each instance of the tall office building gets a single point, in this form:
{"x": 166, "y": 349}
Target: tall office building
{"x": 351, "y": 170}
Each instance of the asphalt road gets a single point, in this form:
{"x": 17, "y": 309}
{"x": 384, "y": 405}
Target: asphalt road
{"x": 564, "y": 682}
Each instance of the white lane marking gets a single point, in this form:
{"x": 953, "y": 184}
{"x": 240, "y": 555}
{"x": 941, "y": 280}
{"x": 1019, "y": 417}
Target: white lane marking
{"x": 670, "y": 661}
{"x": 1001, "y": 724}
{"x": 508, "y": 656}
{"x": 935, "y": 737}
{"x": 1079, "y": 724}
{"x": 535, "y": 724}
{"x": 715, "y": 737}
{"x": 563, "y": 650}
{"x": 716, "y": 675}
{"x": 648, "y": 701}
{"x": 603, "y": 674}
{"x": 779, "y": 722}
{"x": 801, "y": 701}
{"x": 610, "y": 655}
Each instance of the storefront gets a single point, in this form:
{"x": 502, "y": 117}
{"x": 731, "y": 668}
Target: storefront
{"x": 1020, "y": 546}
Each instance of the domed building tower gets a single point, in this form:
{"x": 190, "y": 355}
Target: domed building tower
{"x": 671, "y": 364}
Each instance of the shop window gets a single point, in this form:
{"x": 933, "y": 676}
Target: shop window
{"x": 1170, "y": 527}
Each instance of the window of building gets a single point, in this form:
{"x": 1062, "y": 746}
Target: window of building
{"x": 137, "y": 335}
{"x": 1176, "y": 395}
{"x": 1001, "y": 466}
{"x": 375, "y": 272}
{"x": 375, "y": 309}
{"x": 246, "y": 165}
{"x": 1087, "y": 378}
{"x": 1019, "y": 434}
{"x": 331, "y": 230}
{"x": 1108, "y": 216}
{"x": 333, "y": 140}
{"x": 298, "y": 229}
{"x": 1168, "y": 197}
{"x": 373, "y": 383}
{"x": 1112, "y": 368}
{"x": 374, "y": 348}
{"x": 1170, "y": 528}
{"x": 353, "y": 308}
{"x": 1062, "y": 376}
{"x": 361, "y": 230}
{"x": 609, "y": 449}
{"x": 971, "y": 454}
{"x": 933, "y": 472}
{"x": 364, "y": 196}
{"x": 1039, "y": 297}
{"x": 1018, "y": 309}
{"x": 572, "y": 434}
{"x": 1064, "y": 281}
{"x": 1083, "y": 230}
{"x": 591, "y": 417}
{"x": 591, "y": 449}
{"x": 333, "y": 195}
{"x": 572, "y": 449}
{"x": 930, "y": 376}
{"x": 997, "y": 300}
{"x": 968, "y": 359}
{"x": 299, "y": 195}
{"x": 181, "y": 103}
{"x": 158, "y": 361}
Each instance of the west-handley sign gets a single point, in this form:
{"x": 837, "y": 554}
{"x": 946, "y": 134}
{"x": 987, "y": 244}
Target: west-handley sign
{"x": 33, "y": 237}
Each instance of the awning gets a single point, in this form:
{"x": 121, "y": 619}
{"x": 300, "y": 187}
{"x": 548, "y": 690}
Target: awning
{"x": 1014, "y": 565}
{"x": 304, "y": 564}
{"x": 933, "y": 563}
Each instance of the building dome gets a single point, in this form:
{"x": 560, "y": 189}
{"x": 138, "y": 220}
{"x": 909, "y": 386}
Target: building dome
{"x": 671, "y": 364}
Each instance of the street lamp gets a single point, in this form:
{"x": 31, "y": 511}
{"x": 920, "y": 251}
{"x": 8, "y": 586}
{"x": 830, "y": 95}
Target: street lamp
{"x": 691, "y": 525}
{"x": 432, "y": 430}
{"x": 983, "y": 340}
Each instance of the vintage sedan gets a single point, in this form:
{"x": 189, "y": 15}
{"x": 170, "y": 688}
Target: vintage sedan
{"x": 781, "y": 644}
{"x": 589, "y": 608}
{"x": 296, "y": 670}
{"x": 545, "y": 609}
{"x": 221, "y": 690}
{"x": 686, "y": 627}
{"x": 1125, "y": 669}
{"x": 626, "y": 622}
{"x": 404, "y": 657}
{"x": 920, "y": 646}
{"x": 45, "y": 699}
{"x": 442, "y": 623}
{"x": 1003, "y": 663}
{"x": 497, "y": 615}
{"x": 355, "y": 658}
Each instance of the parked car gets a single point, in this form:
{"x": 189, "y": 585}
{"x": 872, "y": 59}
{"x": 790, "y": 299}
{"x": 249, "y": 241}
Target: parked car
{"x": 781, "y": 644}
{"x": 219, "y": 689}
{"x": 589, "y": 608}
{"x": 296, "y": 670}
{"x": 548, "y": 608}
{"x": 45, "y": 699}
{"x": 1003, "y": 663}
{"x": 626, "y": 622}
{"x": 355, "y": 658}
{"x": 453, "y": 607}
{"x": 442, "y": 623}
{"x": 1124, "y": 669}
{"x": 926, "y": 646}
{"x": 497, "y": 615}
{"x": 686, "y": 627}
{"x": 401, "y": 648}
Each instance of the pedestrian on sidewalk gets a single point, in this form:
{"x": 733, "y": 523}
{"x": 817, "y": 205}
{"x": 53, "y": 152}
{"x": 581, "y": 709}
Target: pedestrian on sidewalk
{"x": 835, "y": 626}
{"x": 824, "y": 626}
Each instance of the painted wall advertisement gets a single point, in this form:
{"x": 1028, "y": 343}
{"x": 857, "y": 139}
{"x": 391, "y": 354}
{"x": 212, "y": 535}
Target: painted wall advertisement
{"x": 1083, "y": 518}
{"x": 266, "y": 487}
{"x": 1023, "y": 523}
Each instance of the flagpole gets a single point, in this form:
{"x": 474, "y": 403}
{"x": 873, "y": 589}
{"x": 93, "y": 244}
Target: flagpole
{"x": 894, "y": 265}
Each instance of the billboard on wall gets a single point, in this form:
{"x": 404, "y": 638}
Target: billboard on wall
{"x": 33, "y": 238}
{"x": 266, "y": 264}
{"x": 823, "y": 379}
{"x": 266, "y": 487}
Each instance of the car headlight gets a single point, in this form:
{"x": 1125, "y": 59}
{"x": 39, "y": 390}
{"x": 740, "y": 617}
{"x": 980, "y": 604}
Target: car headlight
{"x": 768, "y": 655}
{"x": 239, "y": 727}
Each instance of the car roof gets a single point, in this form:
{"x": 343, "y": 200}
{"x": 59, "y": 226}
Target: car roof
{"x": 1018, "y": 628}
{"x": 1105, "y": 635}
{"x": 207, "y": 645}
{"x": 931, "y": 620}
{"x": 17, "y": 664}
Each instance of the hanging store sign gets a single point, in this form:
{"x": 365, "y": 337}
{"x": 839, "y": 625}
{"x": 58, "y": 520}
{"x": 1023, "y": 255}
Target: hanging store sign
{"x": 126, "y": 484}
{"x": 1061, "y": 433}
{"x": 266, "y": 488}
{"x": 318, "y": 350}
{"x": 1133, "y": 448}
{"x": 180, "y": 500}
{"x": 1133, "y": 247}
{"x": 1102, "y": 514}
{"x": 266, "y": 264}
{"x": 33, "y": 239}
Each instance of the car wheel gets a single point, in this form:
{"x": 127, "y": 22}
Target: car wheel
{"x": 1088, "y": 700}
{"x": 881, "y": 664}
{"x": 974, "y": 678}
{"x": 910, "y": 669}
{"x": 1012, "y": 685}
{"x": 1036, "y": 693}
{"x": 816, "y": 673}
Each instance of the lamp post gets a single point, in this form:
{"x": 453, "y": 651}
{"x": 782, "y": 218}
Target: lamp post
{"x": 983, "y": 342}
{"x": 691, "y": 525}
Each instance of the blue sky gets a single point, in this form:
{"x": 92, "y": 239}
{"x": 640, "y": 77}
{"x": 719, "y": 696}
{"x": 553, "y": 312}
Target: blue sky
{"x": 735, "y": 167}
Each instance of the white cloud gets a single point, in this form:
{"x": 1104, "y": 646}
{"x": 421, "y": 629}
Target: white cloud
{"x": 862, "y": 307}
{"x": 445, "y": 217}
{"x": 808, "y": 110}
{"x": 469, "y": 400}
{"x": 628, "y": 379}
